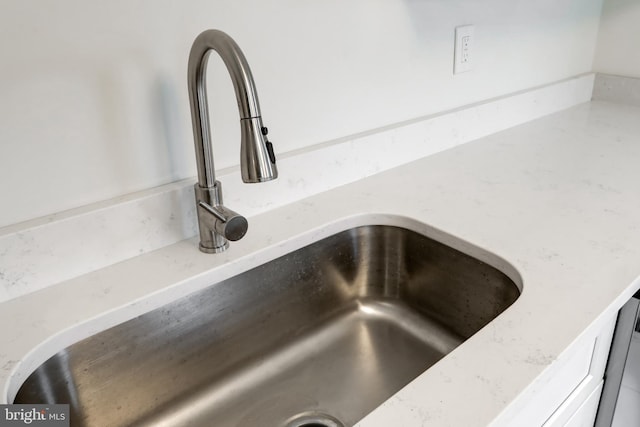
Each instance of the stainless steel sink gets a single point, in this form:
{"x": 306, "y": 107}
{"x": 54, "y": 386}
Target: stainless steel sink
{"x": 318, "y": 337}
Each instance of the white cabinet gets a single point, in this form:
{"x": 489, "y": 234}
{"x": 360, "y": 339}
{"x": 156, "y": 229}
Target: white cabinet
{"x": 580, "y": 406}
{"x": 569, "y": 391}
{"x": 586, "y": 413}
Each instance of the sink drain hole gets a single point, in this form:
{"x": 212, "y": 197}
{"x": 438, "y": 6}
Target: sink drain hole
{"x": 313, "y": 419}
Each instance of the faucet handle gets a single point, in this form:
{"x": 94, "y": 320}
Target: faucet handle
{"x": 233, "y": 227}
{"x": 225, "y": 222}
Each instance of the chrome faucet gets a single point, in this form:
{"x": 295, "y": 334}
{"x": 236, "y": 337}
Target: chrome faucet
{"x": 217, "y": 223}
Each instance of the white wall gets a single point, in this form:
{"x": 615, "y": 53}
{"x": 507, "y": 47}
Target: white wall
{"x": 618, "y": 51}
{"x": 93, "y": 99}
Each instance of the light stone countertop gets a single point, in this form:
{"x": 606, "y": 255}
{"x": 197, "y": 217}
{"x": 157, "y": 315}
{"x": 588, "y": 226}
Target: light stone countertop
{"x": 557, "y": 201}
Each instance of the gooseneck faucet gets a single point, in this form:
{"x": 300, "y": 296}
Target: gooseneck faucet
{"x": 217, "y": 223}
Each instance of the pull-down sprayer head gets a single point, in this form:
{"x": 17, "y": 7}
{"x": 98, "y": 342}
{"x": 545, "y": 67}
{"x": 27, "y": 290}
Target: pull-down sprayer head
{"x": 257, "y": 159}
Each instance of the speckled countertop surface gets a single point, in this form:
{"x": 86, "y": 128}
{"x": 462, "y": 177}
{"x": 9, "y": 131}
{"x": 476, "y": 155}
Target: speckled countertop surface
{"x": 558, "y": 199}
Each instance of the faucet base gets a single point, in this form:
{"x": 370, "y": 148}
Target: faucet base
{"x": 217, "y": 250}
{"x": 217, "y": 223}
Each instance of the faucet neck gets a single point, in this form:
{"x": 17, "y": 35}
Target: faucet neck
{"x": 243, "y": 84}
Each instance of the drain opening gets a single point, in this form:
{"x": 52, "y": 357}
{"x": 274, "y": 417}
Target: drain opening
{"x": 314, "y": 420}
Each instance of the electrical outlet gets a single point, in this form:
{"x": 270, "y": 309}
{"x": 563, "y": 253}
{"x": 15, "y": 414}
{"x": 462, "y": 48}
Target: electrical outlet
{"x": 463, "y": 50}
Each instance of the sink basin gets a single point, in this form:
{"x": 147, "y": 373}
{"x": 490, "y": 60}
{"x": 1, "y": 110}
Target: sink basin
{"x": 318, "y": 337}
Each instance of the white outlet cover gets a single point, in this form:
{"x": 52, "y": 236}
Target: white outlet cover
{"x": 463, "y": 50}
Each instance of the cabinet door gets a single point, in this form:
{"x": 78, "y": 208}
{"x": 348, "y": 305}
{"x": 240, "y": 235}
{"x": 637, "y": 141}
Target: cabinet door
{"x": 569, "y": 382}
{"x": 585, "y": 416}
{"x": 581, "y": 405}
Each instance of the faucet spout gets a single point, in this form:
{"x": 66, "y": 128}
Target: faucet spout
{"x": 257, "y": 158}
